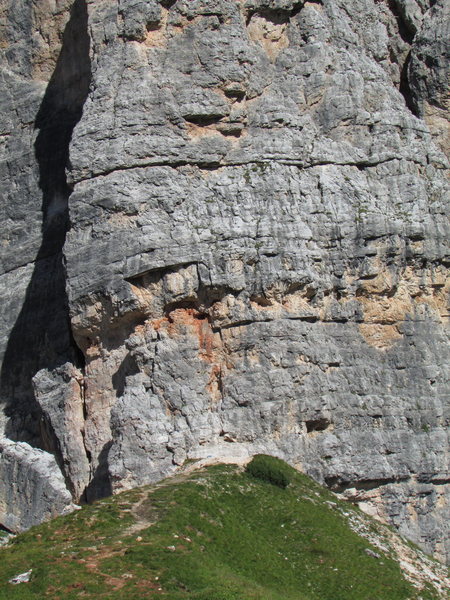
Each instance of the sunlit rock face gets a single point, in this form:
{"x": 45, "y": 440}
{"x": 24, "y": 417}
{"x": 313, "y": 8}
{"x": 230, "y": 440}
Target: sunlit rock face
{"x": 246, "y": 209}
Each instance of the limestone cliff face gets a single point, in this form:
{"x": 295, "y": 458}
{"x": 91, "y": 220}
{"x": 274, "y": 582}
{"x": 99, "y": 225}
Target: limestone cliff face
{"x": 244, "y": 202}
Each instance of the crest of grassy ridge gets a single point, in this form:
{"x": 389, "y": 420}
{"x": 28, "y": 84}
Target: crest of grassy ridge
{"x": 218, "y": 534}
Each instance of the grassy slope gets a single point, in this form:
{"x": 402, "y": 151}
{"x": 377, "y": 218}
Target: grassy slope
{"x": 218, "y": 534}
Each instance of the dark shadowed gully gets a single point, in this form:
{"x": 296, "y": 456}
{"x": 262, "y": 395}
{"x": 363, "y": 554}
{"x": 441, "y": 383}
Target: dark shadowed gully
{"x": 41, "y": 336}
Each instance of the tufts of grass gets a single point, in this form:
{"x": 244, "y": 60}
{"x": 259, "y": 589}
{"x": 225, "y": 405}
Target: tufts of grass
{"x": 271, "y": 469}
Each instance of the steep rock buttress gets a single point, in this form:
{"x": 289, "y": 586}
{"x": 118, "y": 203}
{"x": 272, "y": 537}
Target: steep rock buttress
{"x": 257, "y": 257}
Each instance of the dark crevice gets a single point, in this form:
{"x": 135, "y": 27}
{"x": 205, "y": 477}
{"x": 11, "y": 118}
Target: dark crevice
{"x": 242, "y": 323}
{"x": 338, "y": 485}
{"x": 232, "y": 131}
{"x": 151, "y": 276}
{"x": 168, "y": 3}
{"x": 41, "y": 336}
{"x": 277, "y": 16}
{"x": 100, "y": 485}
{"x": 236, "y": 93}
{"x": 317, "y": 425}
{"x": 192, "y": 305}
{"x": 6, "y": 530}
{"x": 203, "y": 120}
{"x": 405, "y": 88}
{"x": 296, "y": 10}
{"x": 406, "y": 32}
{"x": 433, "y": 481}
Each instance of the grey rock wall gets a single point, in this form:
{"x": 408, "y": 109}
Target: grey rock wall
{"x": 32, "y": 489}
{"x": 43, "y": 72}
{"x": 257, "y": 255}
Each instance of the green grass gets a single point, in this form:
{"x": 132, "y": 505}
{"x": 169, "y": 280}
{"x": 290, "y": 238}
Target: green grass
{"x": 271, "y": 469}
{"x": 219, "y": 534}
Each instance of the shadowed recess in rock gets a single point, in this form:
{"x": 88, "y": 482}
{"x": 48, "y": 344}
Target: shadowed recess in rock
{"x": 100, "y": 485}
{"x": 41, "y": 336}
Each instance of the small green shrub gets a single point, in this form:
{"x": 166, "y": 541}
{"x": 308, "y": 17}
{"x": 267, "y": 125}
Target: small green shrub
{"x": 271, "y": 469}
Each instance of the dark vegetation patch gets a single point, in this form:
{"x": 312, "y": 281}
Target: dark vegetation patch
{"x": 270, "y": 469}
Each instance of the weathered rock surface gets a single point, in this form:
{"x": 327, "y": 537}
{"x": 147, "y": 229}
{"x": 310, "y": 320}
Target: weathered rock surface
{"x": 43, "y": 46}
{"x": 429, "y": 72}
{"x": 32, "y": 489}
{"x": 59, "y": 393}
{"x": 257, "y": 258}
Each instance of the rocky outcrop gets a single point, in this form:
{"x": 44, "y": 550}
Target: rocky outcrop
{"x": 257, "y": 257}
{"x": 32, "y": 489}
{"x": 59, "y": 393}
